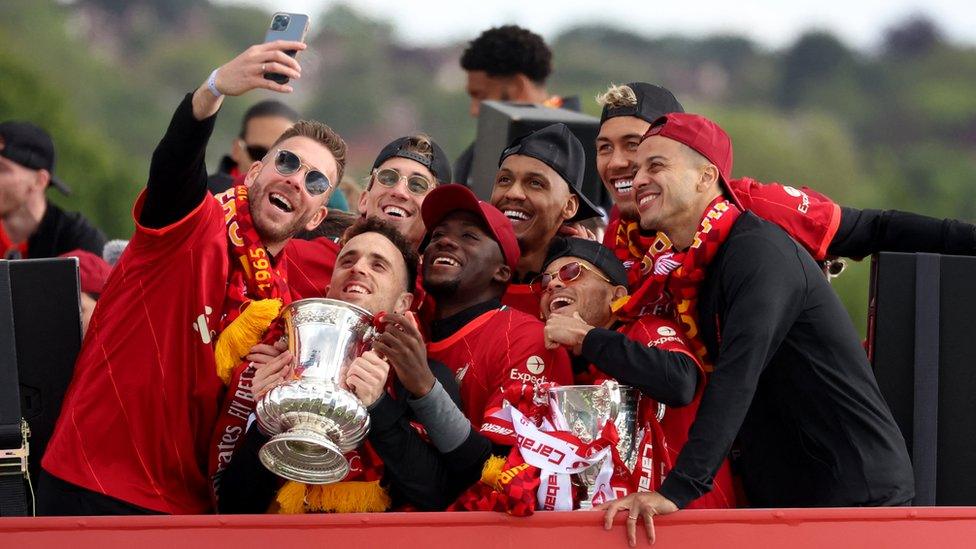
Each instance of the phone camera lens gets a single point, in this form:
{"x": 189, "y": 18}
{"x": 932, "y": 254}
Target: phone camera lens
{"x": 280, "y": 22}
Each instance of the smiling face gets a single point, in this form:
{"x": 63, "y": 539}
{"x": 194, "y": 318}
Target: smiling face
{"x": 589, "y": 295}
{"x": 463, "y": 262}
{"x": 280, "y": 204}
{"x": 370, "y": 272}
{"x": 672, "y": 187}
{"x": 535, "y": 198}
{"x": 397, "y": 205}
{"x": 616, "y": 160}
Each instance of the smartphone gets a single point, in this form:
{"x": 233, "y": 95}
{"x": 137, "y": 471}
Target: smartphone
{"x": 286, "y": 26}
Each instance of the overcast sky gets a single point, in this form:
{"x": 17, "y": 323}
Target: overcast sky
{"x": 772, "y": 23}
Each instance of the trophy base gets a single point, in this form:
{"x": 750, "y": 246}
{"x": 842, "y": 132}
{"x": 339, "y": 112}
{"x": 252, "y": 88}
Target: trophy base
{"x": 304, "y": 455}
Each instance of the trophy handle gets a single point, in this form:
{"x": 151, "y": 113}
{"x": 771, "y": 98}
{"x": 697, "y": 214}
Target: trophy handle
{"x": 660, "y": 412}
{"x": 612, "y": 391}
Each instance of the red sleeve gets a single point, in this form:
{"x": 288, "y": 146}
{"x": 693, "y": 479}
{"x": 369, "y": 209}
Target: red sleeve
{"x": 806, "y": 215}
{"x": 309, "y": 265}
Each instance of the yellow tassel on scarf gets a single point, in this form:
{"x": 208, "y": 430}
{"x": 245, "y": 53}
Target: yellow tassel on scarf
{"x": 341, "y": 497}
{"x": 246, "y": 331}
{"x": 491, "y": 470}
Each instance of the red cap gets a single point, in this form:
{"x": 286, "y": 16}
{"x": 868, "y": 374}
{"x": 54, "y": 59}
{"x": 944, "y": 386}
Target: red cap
{"x": 702, "y": 135}
{"x": 447, "y": 199}
{"x": 92, "y": 270}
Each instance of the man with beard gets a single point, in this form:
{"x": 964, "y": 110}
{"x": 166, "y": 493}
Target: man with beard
{"x": 404, "y": 172}
{"x": 578, "y": 287}
{"x": 791, "y": 384}
{"x": 468, "y": 262}
{"x": 538, "y": 188}
{"x": 135, "y": 425}
{"x": 820, "y": 225}
{"x": 376, "y": 270}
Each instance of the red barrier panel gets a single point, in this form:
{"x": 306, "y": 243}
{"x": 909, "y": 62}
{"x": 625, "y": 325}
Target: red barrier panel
{"x": 906, "y": 527}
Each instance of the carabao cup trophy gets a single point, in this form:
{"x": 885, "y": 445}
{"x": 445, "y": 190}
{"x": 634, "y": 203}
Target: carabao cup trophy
{"x": 312, "y": 419}
{"x": 584, "y": 410}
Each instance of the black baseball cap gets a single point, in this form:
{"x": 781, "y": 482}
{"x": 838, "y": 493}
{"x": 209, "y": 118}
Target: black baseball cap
{"x": 652, "y": 102}
{"x": 438, "y": 165}
{"x": 558, "y": 148}
{"x": 31, "y": 147}
{"x": 588, "y": 250}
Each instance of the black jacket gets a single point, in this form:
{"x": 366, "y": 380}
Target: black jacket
{"x": 413, "y": 470}
{"x": 61, "y": 231}
{"x": 792, "y": 380}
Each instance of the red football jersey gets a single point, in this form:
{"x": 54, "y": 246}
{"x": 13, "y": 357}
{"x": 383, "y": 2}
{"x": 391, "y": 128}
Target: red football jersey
{"x": 809, "y": 217}
{"x": 495, "y": 350}
{"x": 137, "y": 419}
{"x": 520, "y": 297}
{"x": 308, "y": 266}
{"x": 665, "y": 334}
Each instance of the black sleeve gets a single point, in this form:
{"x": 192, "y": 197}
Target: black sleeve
{"x": 177, "y": 175}
{"x": 756, "y": 275}
{"x": 247, "y": 486}
{"x": 416, "y": 472}
{"x": 865, "y": 232}
{"x": 668, "y": 377}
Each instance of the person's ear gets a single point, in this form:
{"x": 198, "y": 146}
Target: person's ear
{"x": 42, "y": 178}
{"x": 618, "y": 292}
{"x": 237, "y": 152}
{"x": 317, "y": 218}
{"x": 570, "y": 207}
{"x": 708, "y": 178}
{"x": 403, "y": 303}
{"x": 503, "y": 274}
{"x": 253, "y": 172}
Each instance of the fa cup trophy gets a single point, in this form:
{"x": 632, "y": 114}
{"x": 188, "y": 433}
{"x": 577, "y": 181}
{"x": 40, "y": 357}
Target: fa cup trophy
{"x": 312, "y": 419}
{"x": 584, "y": 410}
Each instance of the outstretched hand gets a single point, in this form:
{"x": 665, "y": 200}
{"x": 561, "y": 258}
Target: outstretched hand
{"x": 642, "y": 505}
{"x": 246, "y": 72}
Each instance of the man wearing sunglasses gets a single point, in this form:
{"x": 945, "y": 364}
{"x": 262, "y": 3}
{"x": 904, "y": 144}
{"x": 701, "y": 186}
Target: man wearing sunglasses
{"x": 261, "y": 127}
{"x": 469, "y": 259}
{"x": 403, "y": 174}
{"x": 136, "y": 424}
{"x": 538, "y": 188}
{"x": 581, "y": 281}
{"x": 790, "y": 381}
{"x": 825, "y": 229}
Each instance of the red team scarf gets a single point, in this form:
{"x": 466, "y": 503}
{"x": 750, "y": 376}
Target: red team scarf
{"x": 255, "y": 293}
{"x": 670, "y": 280}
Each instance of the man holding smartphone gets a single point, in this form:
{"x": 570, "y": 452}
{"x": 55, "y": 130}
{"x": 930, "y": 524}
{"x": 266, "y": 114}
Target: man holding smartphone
{"x": 135, "y": 427}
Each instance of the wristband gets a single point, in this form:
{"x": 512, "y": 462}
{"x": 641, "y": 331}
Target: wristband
{"x": 212, "y": 83}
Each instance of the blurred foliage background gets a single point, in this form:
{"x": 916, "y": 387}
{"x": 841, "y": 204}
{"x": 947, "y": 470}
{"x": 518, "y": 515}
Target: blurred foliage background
{"x": 891, "y": 128}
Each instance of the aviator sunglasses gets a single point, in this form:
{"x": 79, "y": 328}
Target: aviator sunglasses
{"x": 567, "y": 273}
{"x": 416, "y": 184}
{"x": 287, "y": 163}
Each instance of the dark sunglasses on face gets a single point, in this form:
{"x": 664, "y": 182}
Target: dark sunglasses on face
{"x": 256, "y": 152}
{"x": 287, "y": 163}
{"x": 567, "y": 273}
{"x": 416, "y": 184}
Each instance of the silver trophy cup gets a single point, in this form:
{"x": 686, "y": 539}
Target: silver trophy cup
{"x": 312, "y": 419}
{"x": 584, "y": 410}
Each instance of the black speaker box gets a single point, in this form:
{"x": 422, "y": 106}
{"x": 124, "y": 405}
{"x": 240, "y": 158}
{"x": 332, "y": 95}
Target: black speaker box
{"x": 43, "y": 301}
{"x": 920, "y": 342}
{"x": 500, "y": 123}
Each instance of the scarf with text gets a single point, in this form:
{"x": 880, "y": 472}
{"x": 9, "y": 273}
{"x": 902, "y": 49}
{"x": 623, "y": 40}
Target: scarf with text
{"x": 670, "y": 279}
{"x": 255, "y": 294}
